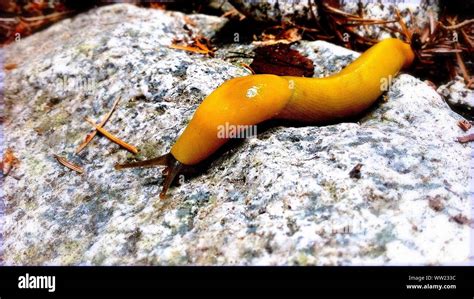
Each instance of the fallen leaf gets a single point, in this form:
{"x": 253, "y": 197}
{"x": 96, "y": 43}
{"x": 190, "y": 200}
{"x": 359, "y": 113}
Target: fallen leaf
{"x": 9, "y": 161}
{"x": 281, "y": 60}
{"x": 198, "y": 45}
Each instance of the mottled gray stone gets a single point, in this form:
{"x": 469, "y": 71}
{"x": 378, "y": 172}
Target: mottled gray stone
{"x": 415, "y": 14}
{"x": 282, "y": 198}
{"x": 458, "y": 95}
{"x": 223, "y": 5}
{"x": 2, "y": 149}
{"x": 276, "y": 10}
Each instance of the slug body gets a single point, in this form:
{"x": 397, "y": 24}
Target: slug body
{"x": 250, "y": 100}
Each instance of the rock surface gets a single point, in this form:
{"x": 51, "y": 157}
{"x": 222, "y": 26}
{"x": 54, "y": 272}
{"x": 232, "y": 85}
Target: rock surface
{"x": 415, "y": 13}
{"x": 2, "y": 150}
{"x": 288, "y": 196}
{"x": 276, "y": 10}
{"x": 458, "y": 95}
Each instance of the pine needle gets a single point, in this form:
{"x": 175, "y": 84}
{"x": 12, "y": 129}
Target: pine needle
{"x": 101, "y": 124}
{"x": 112, "y": 137}
{"x": 69, "y": 165}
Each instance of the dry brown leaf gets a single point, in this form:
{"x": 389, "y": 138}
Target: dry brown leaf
{"x": 197, "y": 45}
{"x": 9, "y": 161}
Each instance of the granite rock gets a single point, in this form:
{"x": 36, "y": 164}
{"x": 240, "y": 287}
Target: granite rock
{"x": 288, "y": 196}
{"x": 2, "y": 150}
{"x": 458, "y": 95}
{"x": 276, "y": 10}
{"x": 415, "y": 14}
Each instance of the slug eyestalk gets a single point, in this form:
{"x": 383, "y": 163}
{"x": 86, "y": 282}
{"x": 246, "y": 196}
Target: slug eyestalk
{"x": 171, "y": 170}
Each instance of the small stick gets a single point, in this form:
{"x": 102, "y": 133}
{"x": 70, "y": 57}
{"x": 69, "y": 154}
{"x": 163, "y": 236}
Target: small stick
{"x": 112, "y": 137}
{"x": 403, "y": 25}
{"x": 69, "y": 165}
{"x": 338, "y": 11}
{"x": 467, "y": 38}
{"x": 101, "y": 124}
{"x": 358, "y": 22}
{"x": 462, "y": 66}
{"x": 464, "y": 125}
{"x": 248, "y": 67}
{"x": 443, "y": 50}
{"x": 190, "y": 49}
{"x": 432, "y": 23}
{"x": 10, "y": 66}
{"x": 50, "y": 16}
{"x": 457, "y": 26}
{"x": 467, "y": 138}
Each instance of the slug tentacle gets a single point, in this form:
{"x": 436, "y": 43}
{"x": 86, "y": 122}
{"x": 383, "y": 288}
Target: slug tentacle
{"x": 172, "y": 169}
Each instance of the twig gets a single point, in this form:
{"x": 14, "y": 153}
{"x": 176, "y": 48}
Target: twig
{"x": 467, "y": 38}
{"x": 50, "y": 16}
{"x": 69, "y": 165}
{"x": 463, "y": 68}
{"x": 313, "y": 16}
{"x": 442, "y": 50}
{"x": 233, "y": 12}
{"x": 405, "y": 30}
{"x": 432, "y": 23}
{"x": 467, "y": 138}
{"x": 101, "y": 124}
{"x": 359, "y": 22}
{"x": 338, "y": 11}
{"x": 10, "y": 66}
{"x": 457, "y": 26}
{"x": 464, "y": 125}
{"x": 14, "y": 20}
{"x": 248, "y": 67}
{"x": 190, "y": 49}
{"x": 461, "y": 64}
{"x": 112, "y": 137}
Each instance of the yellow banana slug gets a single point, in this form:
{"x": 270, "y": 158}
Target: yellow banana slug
{"x": 250, "y": 100}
